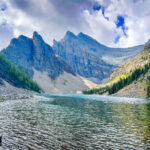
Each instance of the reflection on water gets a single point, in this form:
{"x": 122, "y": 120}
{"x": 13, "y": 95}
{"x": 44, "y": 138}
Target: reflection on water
{"x": 75, "y": 122}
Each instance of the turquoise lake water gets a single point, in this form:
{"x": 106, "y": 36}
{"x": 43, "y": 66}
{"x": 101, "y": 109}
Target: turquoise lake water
{"x": 75, "y": 122}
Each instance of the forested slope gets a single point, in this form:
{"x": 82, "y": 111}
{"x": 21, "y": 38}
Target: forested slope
{"x": 134, "y": 72}
{"x": 15, "y": 76}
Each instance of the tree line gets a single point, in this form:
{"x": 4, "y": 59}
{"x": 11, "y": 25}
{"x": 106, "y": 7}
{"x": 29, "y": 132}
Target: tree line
{"x": 148, "y": 86}
{"x": 134, "y": 75}
{"x": 129, "y": 79}
{"x": 11, "y": 73}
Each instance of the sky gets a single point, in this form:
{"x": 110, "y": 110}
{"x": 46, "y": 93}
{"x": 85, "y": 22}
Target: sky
{"x": 115, "y": 23}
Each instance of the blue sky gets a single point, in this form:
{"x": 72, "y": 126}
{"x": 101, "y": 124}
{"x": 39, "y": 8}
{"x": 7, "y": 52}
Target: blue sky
{"x": 115, "y": 23}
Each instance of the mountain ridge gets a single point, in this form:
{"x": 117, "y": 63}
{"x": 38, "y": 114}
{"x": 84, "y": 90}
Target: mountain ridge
{"x": 89, "y": 58}
{"x": 36, "y": 58}
{"x": 34, "y": 53}
{"x": 77, "y": 58}
{"x": 131, "y": 79}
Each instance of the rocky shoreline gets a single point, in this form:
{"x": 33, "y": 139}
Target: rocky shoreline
{"x": 14, "y": 93}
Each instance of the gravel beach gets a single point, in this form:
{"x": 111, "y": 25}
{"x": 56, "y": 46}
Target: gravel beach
{"x": 8, "y": 92}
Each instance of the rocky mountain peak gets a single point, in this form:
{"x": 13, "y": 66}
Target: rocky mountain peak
{"x": 54, "y": 41}
{"x": 91, "y": 59}
{"x": 38, "y": 40}
{"x": 36, "y": 54}
{"x": 89, "y": 40}
{"x": 69, "y": 35}
{"x": 13, "y": 41}
{"x": 82, "y": 35}
{"x": 37, "y": 37}
{"x": 40, "y": 48}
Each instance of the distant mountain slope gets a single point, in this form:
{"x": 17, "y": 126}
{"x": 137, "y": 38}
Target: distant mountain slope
{"x": 37, "y": 59}
{"x": 137, "y": 62}
{"x": 140, "y": 86}
{"x": 131, "y": 79}
{"x": 91, "y": 59}
{"x": 12, "y": 75}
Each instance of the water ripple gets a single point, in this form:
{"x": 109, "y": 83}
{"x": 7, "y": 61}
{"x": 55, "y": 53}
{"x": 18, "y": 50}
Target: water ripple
{"x": 75, "y": 122}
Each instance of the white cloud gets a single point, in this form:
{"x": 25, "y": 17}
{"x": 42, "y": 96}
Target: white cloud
{"x": 53, "y": 18}
{"x": 137, "y": 16}
{"x": 101, "y": 29}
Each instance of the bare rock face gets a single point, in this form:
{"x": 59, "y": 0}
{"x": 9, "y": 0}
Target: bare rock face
{"x": 76, "y": 55}
{"x": 29, "y": 54}
{"x": 91, "y": 59}
{"x": 39, "y": 61}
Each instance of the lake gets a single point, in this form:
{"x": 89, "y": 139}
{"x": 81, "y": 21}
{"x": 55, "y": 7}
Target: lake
{"x": 75, "y": 122}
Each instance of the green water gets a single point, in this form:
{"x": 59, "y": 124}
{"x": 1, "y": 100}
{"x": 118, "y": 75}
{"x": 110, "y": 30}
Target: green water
{"x": 75, "y": 122}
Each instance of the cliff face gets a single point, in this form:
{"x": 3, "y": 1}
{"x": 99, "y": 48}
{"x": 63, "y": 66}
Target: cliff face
{"x": 39, "y": 61}
{"x": 60, "y": 68}
{"x": 91, "y": 59}
{"x": 35, "y": 53}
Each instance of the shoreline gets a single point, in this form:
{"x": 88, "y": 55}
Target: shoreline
{"x": 8, "y": 92}
{"x": 4, "y": 99}
{"x": 30, "y": 95}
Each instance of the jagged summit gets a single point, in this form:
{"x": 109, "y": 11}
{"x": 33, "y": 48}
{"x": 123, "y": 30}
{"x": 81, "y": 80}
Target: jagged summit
{"x": 37, "y": 36}
{"x": 35, "y": 54}
{"x": 89, "y": 40}
{"x": 81, "y": 34}
{"x": 85, "y": 36}
{"x": 35, "y": 33}
{"x": 91, "y": 59}
{"x": 38, "y": 59}
{"x": 22, "y": 37}
{"x": 69, "y": 35}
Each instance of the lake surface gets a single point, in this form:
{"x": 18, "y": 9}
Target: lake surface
{"x": 75, "y": 122}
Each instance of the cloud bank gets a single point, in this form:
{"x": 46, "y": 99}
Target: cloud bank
{"x": 115, "y": 23}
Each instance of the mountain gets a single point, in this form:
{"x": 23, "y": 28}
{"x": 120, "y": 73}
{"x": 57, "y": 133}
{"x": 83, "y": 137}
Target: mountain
{"x": 131, "y": 79}
{"x": 140, "y": 66}
{"x": 90, "y": 59}
{"x": 35, "y": 53}
{"x": 38, "y": 59}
